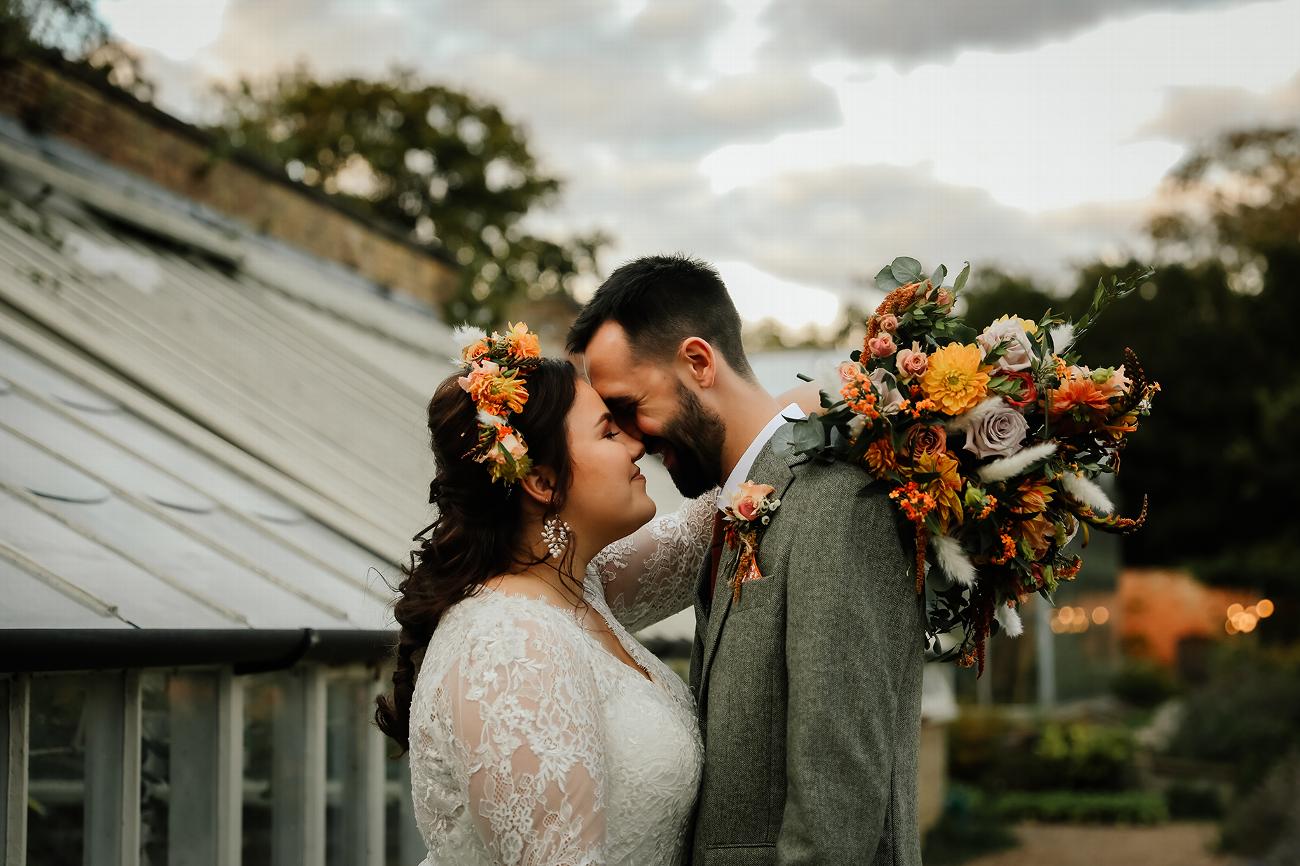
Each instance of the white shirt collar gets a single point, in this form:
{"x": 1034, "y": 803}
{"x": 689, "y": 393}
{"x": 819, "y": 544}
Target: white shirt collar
{"x": 740, "y": 474}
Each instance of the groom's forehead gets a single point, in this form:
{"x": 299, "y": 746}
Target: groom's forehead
{"x": 613, "y": 366}
{"x": 609, "y": 354}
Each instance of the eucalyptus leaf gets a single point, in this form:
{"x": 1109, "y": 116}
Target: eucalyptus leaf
{"x": 906, "y": 270}
{"x": 807, "y": 436}
{"x": 960, "y": 283}
{"x": 961, "y": 333}
{"x": 885, "y": 279}
{"x": 938, "y": 276}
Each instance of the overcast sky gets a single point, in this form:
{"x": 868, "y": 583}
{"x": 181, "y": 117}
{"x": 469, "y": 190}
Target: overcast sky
{"x": 800, "y": 144}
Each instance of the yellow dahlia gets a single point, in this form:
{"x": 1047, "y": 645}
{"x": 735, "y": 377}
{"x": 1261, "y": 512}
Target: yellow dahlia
{"x": 954, "y": 380}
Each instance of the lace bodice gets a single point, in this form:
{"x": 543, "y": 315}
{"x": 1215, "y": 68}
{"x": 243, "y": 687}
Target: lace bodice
{"x": 532, "y": 744}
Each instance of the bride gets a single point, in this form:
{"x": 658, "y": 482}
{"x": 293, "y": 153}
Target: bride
{"x": 540, "y": 731}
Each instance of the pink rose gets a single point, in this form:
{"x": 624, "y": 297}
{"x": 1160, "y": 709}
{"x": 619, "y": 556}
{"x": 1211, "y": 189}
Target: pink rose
{"x": 512, "y": 445}
{"x": 913, "y": 362}
{"x": 1019, "y": 354}
{"x": 882, "y": 345}
{"x": 848, "y": 371}
{"x": 889, "y": 322}
{"x": 478, "y": 370}
{"x": 944, "y": 298}
{"x": 747, "y": 498}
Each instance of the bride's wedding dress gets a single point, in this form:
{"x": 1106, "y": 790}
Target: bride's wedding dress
{"x": 531, "y": 743}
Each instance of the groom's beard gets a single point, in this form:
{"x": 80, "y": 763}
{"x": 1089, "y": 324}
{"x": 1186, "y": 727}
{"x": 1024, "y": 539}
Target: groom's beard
{"x": 694, "y": 439}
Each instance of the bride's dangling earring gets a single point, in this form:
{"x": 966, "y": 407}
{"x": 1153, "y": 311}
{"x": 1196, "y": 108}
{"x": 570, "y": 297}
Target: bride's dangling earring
{"x": 555, "y": 535}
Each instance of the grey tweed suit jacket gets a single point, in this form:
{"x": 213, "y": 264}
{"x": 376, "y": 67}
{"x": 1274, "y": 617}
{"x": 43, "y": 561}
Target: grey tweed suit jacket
{"x": 809, "y": 686}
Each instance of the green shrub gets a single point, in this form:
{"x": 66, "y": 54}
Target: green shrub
{"x": 1143, "y": 684}
{"x": 1080, "y": 756}
{"x": 1265, "y": 824}
{"x": 968, "y": 828}
{"x": 1126, "y": 807}
{"x": 1247, "y": 715}
{"x": 1194, "y": 801}
{"x": 993, "y": 753}
{"x": 980, "y": 744}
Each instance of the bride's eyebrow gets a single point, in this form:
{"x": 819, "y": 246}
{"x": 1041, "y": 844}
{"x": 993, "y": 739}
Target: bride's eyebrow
{"x": 607, "y": 418}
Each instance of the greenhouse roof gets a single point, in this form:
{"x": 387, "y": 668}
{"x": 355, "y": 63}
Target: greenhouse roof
{"x": 200, "y": 429}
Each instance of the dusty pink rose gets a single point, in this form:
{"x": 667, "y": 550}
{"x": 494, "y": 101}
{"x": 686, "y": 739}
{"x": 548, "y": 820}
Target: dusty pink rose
{"x": 514, "y": 446}
{"x": 882, "y": 345}
{"x": 1019, "y": 354}
{"x": 746, "y": 499}
{"x": 889, "y": 322}
{"x": 848, "y": 371}
{"x": 944, "y": 298}
{"x": 996, "y": 431}
{"x": 478, "y": 370}
{"x": 886, "y": 390}
{"x": 925, "y": 439}
{"x": 913, "y": 362}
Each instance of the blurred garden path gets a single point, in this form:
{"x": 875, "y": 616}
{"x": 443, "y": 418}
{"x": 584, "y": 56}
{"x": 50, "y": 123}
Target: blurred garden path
{"x": 1176, "y": 844}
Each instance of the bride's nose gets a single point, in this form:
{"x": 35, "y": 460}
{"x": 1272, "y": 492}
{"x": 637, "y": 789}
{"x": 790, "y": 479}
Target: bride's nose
{"x": 636, "y": 447}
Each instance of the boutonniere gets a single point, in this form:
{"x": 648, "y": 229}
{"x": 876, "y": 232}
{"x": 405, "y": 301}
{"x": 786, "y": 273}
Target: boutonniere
{"x": 746, "y": 515}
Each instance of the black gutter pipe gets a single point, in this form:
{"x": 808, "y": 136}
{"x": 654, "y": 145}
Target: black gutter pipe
{"x": 247, "y": 650}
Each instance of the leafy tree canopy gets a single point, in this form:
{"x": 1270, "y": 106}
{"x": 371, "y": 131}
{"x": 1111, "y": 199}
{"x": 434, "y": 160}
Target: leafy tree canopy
{"x": 74, "y": 30}
{"x": 449, "y": 169}
{"x": 1215, "y": 327}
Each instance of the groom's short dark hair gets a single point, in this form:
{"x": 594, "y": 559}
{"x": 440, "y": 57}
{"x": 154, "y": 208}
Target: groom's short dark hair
{"x": 660, "y": 301}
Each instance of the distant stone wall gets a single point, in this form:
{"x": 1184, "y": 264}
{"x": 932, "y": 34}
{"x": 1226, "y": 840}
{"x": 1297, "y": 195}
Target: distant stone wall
{"x": 52, "y": 99}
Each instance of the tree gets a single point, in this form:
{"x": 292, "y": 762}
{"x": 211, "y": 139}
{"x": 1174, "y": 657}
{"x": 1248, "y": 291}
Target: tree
{"x": 1214, "y": 325}
{"x": 74, "y": 30}
{"x": 448, "y": 169}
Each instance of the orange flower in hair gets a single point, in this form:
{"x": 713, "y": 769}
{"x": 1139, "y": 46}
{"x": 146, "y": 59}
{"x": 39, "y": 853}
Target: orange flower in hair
{"x": 496, "y": 369}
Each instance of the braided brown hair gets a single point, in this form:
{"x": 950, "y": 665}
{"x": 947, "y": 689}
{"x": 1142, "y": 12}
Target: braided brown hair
{"x": 476, "y": 532}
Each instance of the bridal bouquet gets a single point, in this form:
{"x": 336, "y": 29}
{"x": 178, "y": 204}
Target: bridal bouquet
{"x": 989, "y": 442}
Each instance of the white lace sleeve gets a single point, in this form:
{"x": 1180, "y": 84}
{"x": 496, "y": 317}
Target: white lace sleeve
{"x": 526, "y": 713}
{"x": 651, "y": 574}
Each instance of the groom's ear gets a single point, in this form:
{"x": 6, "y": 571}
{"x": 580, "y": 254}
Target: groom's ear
{"x": 700, "y": 360}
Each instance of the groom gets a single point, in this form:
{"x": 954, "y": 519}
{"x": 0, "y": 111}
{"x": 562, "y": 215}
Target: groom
{"x": 809, "y": 681}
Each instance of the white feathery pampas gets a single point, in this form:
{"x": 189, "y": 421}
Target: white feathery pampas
{"x": 463, "y": 335}
{"x": 1062, "y": 336}
{"x": 1009, "y": 619}
{"x": 952, "y": 559}
{"x": 1010, "y": 467}
{"x": 1088, "y": 492}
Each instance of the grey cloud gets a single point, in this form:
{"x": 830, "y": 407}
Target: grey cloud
{"x": 922, "y": 30}
{"x": 1194, "y": 114}
{"x": 829, "y": 228}
{"x": 575, "y": 71}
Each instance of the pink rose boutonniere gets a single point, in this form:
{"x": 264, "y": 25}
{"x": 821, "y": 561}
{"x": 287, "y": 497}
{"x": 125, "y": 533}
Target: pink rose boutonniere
{"x": 746, "y": 515}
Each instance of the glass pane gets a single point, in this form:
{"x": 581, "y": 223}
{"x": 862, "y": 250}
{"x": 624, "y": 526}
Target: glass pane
{"x": 178, "y": 767}
{"x": 264, "y": 698}
{"x": 402, "y": 843}
{"x": 155, "y": 754}
{"x": 57, "y": 770}
{"x": 341, "y": 759}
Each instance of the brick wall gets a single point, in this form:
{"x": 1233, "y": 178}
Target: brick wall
{"x": 54, "y": 100}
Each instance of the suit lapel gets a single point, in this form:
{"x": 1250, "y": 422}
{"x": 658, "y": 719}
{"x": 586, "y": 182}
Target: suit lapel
{"x": 772, "y": 466}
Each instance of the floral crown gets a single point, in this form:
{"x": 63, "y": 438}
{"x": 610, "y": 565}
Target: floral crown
{"x": 495, "y": 370}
